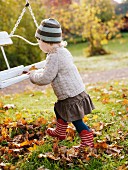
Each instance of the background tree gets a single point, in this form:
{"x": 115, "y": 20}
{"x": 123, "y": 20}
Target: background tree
{"x": 99, "y": 25}
{"x": 84, "y": 20}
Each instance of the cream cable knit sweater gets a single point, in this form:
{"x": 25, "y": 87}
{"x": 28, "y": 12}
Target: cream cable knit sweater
{"x": 61, "y": 72}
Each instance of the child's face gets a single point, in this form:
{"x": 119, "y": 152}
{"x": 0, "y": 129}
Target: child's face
{"x": 43, "y": 46}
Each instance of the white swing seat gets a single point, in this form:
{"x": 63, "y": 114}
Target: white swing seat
{"x": 5, "y": 39}
{"x": 13, "y": 80}
{"x": 15, "y": 75}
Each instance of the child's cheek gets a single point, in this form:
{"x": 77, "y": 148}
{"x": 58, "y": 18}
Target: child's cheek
{"x": 40, "y": 45}
{"x": 43, "y": 48}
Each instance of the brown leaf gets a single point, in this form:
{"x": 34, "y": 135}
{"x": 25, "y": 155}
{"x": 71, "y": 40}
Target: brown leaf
{"x": 123, "y": 167}
{"x": 17, "y": 138}
{"x": 63, "y": 150}
{"x": 125, "y": 102}
{"x": 98, "y": 126}
{"x": 116, "y": 150}
{"x": 48, "y": 155}
{"x": 56, "y": 147}
{"x": 12, "y": 167}
{"x": 41, "y": 155}
{"x": 40, "y": 121}
{"x": 33, "y": 68}
{"x": 111, "y": 88}
{"x": 101, "y": 144}
{"x": 108, "y": 124}
{"x": 97, "y": 133}
{"x": 112, "y": 113}
{"x": 9, "y": 106}
{"x": 53, "y": 157}
{"x": 87, "y": 158}
{"x": 124, "y": 95}
{"x": 70, "y": 133}
{"x": 108, "y": 137}
{"x": 105, "y": 100}
{"x": 104, "y": 145}
{"x": 23, "y": 121}
{"x": 72, "y": 152}
{"x": 40, "y": 142}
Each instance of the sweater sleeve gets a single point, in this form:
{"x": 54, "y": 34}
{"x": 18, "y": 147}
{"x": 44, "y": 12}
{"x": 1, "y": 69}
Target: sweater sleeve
{"x": 48, "y": 74}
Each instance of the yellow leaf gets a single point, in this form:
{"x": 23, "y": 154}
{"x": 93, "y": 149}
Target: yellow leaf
{"x": 112, "y": 113}
{"x": 4, "y": 132}
{"x": 69, "y": 138}
{"x": 85, "y": 119}
{"x": 32, "y": 148}
{"x": 125, "y": 117}
{"x": 2, "y": 111}
{"x": 95, "y": 117}
{"x": 98, "y": 126}
{"x": 13, "y": 124}
{"x": 27, "y": 142}
{"x": 116, "y": 83}
{"x": 18, "y": 116}
{"x": 32, "y": 68}
{"x": 7, "y": 120}
{"x": 7, "y": 112}
{"x": 1, "y": 105}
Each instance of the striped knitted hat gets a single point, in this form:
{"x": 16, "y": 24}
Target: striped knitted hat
{"x": 49, "y": 31}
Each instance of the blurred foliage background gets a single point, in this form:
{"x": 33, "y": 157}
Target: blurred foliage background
{"x": 92, "y": 21}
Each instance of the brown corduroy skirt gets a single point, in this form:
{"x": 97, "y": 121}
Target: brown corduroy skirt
{"x": 74, "y": 108}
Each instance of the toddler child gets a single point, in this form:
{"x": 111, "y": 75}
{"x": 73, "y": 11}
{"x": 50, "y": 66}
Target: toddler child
{"x": 73, "y": 102}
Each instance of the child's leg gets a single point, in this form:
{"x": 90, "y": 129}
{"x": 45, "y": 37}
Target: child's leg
{"x": 60, "y": 130}
{"x": 58, "y": 116}
{"x": 85, "y": 133}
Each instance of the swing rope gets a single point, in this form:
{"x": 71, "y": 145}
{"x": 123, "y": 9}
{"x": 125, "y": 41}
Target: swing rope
{"x": 19, "y": 20}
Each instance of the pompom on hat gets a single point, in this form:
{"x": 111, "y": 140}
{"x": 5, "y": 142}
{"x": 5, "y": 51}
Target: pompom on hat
{"x": 49, "y": 31}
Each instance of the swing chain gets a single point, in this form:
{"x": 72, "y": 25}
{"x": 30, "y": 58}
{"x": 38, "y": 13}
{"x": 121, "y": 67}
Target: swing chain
{"x": 32, "y": 14}
{"x": 18, "y": 21}
{"x": 21, "y": 15}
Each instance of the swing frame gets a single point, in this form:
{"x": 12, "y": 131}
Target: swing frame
{"x": 14, "y": 75}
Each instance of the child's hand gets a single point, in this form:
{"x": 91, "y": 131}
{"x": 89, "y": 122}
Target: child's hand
{"x": 29, "y": 72}
{"x": 35, "y": 71}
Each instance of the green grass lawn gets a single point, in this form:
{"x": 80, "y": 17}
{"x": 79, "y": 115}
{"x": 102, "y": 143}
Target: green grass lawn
{"x": 109, "y": 120}
{"x": 117, "y": 59}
